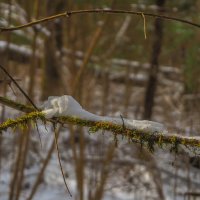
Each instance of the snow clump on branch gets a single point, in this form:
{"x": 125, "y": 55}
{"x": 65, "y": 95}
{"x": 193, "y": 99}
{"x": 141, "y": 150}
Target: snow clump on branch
{"x": 67, "y": 106}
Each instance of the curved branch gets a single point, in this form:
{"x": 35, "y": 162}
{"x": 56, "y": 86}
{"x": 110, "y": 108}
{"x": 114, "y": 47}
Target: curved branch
{"x": 98, "y": 11}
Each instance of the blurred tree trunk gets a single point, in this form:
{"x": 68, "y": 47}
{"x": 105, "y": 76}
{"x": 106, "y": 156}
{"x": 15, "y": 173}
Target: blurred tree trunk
{"x": 51, "y": 77}
{"x": 156, "y": 50}
{"x": 151, "y": 90}
{"x": 52, "y": 84}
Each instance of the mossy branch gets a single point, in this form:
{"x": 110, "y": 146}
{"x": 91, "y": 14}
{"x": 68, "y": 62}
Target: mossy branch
{"x": 22, "y": 121}
{"x": 18, "y": 106}
{"x": 143, "y": 137}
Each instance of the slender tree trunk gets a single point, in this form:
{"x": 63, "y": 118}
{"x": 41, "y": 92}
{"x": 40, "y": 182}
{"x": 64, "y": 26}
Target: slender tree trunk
{"x": 156, "y": 50}
{"x": 52, "y": 84}
{"x": 6, "y": 60}
{"x": 25, "y": 135}
{"x": 151, "y": 87}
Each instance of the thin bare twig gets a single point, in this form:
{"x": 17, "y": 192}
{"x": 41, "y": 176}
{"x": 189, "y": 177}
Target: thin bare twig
{"x": 59, "y": 158}
{"x": 24, "y": 93}
{"x": 145, "y": 32}
{"x": 98, "y": 11}
{"x": 17, "y": 85}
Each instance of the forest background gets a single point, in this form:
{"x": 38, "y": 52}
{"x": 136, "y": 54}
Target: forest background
{"x": 133, "y": 66}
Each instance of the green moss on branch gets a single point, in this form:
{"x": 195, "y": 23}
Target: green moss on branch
{"x": 22, "y": 121}
{"x": 18, "y": 106}
{"x": 143, "y": 137}
{"x": 148, "y": 138}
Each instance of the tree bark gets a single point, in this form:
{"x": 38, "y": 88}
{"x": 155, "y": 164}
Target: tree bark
{"x": 151, "y": 88}
{"x": 156, "y": 50}
{"x": 52, "y": 82}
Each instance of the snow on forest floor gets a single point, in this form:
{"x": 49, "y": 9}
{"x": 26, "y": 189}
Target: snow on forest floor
{"x": 53, "y": 187}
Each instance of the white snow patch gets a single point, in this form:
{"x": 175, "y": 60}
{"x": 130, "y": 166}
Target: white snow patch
{"x": 17, "y": 48}
{"x": 67, "y": 106}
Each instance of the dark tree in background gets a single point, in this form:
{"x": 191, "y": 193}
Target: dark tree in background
{"x": 154, "y": 63}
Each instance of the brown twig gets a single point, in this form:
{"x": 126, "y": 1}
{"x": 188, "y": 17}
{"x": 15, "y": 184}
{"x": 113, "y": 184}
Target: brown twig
{"x": 59, "y": 158}
{"x": 98, "y": 11}
{"x": 17, "y": 85}
{"x": 42, "y": 169}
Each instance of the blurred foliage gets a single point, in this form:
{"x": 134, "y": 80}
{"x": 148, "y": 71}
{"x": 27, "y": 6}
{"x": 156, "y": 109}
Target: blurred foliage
{"x": 178, "y": 49}
{"x": 192, "y": 70}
